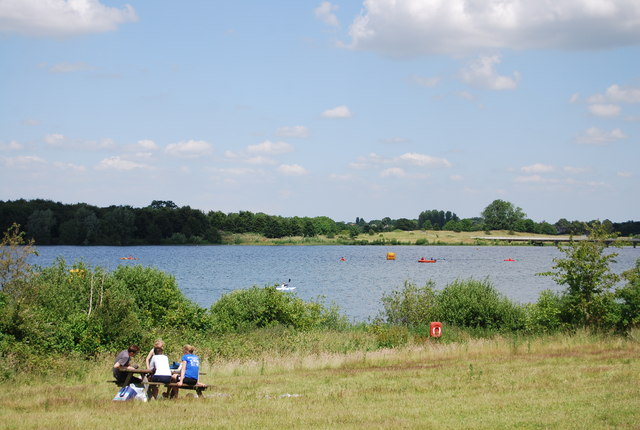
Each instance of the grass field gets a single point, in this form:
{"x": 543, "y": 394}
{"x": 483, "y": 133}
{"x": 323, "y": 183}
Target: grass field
{"x": 432, "y": 237}
{"x": 561, "y": 382}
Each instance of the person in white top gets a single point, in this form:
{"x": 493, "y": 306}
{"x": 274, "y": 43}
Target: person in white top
{"x": 162, "y": 372}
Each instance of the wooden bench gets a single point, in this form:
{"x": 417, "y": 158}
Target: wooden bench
{"x": 198, "y": 388}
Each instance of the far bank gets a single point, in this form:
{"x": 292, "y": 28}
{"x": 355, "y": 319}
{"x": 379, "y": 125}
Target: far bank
{"x": 399, "y": 237}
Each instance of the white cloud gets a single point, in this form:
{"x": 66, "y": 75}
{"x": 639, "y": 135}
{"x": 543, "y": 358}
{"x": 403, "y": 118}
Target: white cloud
{"x": 538, "y": 168}
{"x": 54, "y": 139}
{"x": 63, "y": 142}
{"x": 117, "y": 163}
{"x": 144, "y": 146}
{"x": 604, "y": 110}
{"x": 456, "y": 178}
{"x": 268, "y": 147}
{"x": 147, "y": 144}
{"x": 292, "y": 170}
{"x": 531, "y": 179}
{"x": 22, "y": 161}
{"x": 451, "y": 27}
{"x": 324, "y": 13}
{"x": 482, "y": 74}
{"x": 61, "y": 18}
{"x": 625, "y": 174}
{"x": 574, "y": 98}
{"x": 237, "y": 172}
{"x": 189, "y": 149}
{"x": 424, "y": 160}
{"x": 623, "y": 94}
{"x": 69, "y": 167}
{"x": 393, "y": 172}
{"x": 11, "y": 146}
{"x": 467, "y": 96}
{"x": 259, "y": 160}
{"x": 298, "y": 131}
{"x": 337, "y": 112}
{"x": 617, "y": 94}
{"x": 576, "y": 170}
{"x": 596, "y": 136}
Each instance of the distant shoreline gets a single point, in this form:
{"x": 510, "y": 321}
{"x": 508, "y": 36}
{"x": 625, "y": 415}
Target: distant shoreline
{"x": 409, "y": 238}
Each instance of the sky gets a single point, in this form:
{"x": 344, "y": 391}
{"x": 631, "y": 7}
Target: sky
{"x": 345, "y": 109}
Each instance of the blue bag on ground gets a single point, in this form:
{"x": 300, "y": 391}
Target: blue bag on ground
{"x": 125, "y": 393}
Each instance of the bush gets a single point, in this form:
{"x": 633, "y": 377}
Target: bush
{"x": 412, "y": 306}
{"x": 545, "y": 315}
{"x": 256, "y": 307}
{"x": 477, "y": 304}
{"x": 390, "y": 336}
{"x": 629, "y": 297}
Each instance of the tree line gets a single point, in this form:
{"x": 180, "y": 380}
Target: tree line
{"x": 165, "y": 223}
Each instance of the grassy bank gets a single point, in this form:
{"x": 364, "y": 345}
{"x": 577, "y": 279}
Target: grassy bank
{"x": 418, "y": 237}
{"x": 579, "y": 381}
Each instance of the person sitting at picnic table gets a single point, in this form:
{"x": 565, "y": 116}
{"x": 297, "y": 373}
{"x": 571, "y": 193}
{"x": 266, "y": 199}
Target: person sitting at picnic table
{"x": 189, "y": 369}
{"x": 123, "y": 361}
{"x": 157, "y": 343}
{"x": 162, "y": 372}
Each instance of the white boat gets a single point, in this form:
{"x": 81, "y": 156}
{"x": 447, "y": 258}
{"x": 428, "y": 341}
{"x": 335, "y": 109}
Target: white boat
{"x": 285, "y": 286}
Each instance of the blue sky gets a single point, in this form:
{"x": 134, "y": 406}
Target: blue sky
{"x": 308, "y": 108}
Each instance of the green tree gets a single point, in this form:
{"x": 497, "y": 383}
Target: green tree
{"x": 502, "y": 215}
{"x": 586, "y": 274}
{"x": 40, "y": 225}
{"x": 629, "y": 297}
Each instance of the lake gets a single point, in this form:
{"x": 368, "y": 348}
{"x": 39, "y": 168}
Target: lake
{"x": 356, "y": 285}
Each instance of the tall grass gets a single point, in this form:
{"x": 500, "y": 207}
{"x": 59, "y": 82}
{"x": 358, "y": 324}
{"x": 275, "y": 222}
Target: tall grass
{"x": 561, "y": 381}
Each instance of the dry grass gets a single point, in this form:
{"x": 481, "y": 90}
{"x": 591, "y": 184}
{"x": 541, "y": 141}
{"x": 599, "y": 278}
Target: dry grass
{"x": 559, "y": 382}
{"x": 432, "y": 237}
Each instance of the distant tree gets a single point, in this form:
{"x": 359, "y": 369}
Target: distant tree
{"x": 309, "y": 229}
{"x": 545, "y": 228}
{"x": 563, "y": 226}
{"x": 118, "y": 225}
{"x": 525, "y": 226}
{"x": 163, "y": 204}
{"x": 501, "y": 215}
{"x": 406, "y": 224}
{"x": 40, "y": 226}
{"x": 452, "y": 225}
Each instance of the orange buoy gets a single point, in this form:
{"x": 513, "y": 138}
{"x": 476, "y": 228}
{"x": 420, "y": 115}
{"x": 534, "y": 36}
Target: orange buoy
{"x": 509, "y": 259}
{"x": 391, "y": 255}
{"x": 435, "y": 330}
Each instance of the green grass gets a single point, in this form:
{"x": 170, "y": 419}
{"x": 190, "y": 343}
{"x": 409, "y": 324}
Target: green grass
{"x": 566, "y": 382}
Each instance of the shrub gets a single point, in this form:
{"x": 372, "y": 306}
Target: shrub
{"x": 256, "y": 307}
{"x": 390, "y": 336}
{"x": 477, "y": 304}
{"x": 412, "y": 306}
{"x": 545, "y": 315}
{"x": 586, "y": 274}
{"x": 629, "y": 297}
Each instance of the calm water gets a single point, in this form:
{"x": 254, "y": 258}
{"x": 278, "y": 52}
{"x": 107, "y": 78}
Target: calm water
{"x": 204, "y": 273}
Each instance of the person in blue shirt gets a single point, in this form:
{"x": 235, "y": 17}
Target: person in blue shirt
{"x": 189, "y": 368}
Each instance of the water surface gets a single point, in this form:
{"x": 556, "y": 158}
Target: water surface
{"x": 204, "y": 273}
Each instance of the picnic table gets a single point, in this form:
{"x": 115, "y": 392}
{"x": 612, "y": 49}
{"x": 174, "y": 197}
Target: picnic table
{"x": 144, "y": 373}
{"x": 130, "y": 371}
